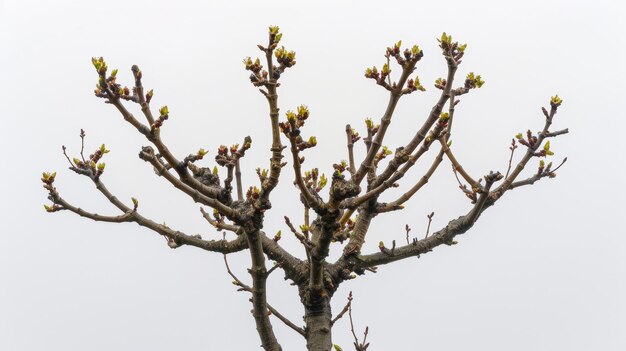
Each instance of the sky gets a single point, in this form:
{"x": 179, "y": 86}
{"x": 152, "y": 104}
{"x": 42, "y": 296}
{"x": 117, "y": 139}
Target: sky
{"x": 544, "y": 269}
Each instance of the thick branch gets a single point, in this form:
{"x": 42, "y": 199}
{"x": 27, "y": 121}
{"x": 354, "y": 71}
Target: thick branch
{"x": 443, "y": 236}
{"x": 277, "y": 147}
{"x": 258, "y": 272}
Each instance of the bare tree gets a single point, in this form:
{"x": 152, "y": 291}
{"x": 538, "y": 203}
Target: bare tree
{"x": 327, "y": 217}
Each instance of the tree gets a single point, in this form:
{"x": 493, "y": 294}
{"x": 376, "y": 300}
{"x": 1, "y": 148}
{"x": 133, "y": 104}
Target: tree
{"x": 328, "y": 216}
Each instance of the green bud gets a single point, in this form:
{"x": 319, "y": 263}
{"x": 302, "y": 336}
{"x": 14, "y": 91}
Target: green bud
{"x": 164, "y": 111}
{"x": 215, "y": 170}
{"x": 114, "y": 73}
{"x": 446, "y": 38}
{"x": 337, "y": 347}
{"x": 478, "y": 81}
{"x": 202, "y": 152}
{"x": 274, "y": 29}
{"x": 556, "y": 100}
{"x": 386, "y": 69}
{"x": 415, "y": 50}
{"x": 303, "y": 111}
{"x": 101, "y": 166}
{"x": 247, "y": 62}
{"x": 323, "y": 181}
{"x": 313, "y": 141}
{"x": 135, "y": 201}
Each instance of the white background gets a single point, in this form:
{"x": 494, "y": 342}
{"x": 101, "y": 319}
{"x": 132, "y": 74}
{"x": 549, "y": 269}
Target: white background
{"x": 543, "y": 270}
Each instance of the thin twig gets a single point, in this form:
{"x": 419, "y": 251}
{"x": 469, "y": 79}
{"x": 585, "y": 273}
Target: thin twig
{"x": 82, "y": 145}
{"x": 344, "y": 310}
{"x": 430, "y": 219}
{"x": 408, "y": 230}
{"x": 512, "y": 148}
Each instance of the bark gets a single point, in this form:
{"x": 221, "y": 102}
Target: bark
{"x": 318, "y": 325}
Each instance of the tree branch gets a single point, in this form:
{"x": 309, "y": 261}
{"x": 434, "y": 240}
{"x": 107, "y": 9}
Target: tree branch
{"x": 375, "y": 145}
{"x": 175, "y": 238}
{"x": 258, "y": 271}
{"x": 443, "y": 236}
{"x": 147, "y": 154}
{"x": 244, "y": 287}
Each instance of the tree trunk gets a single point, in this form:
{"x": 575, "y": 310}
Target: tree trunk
{"x": 318, "y": 329}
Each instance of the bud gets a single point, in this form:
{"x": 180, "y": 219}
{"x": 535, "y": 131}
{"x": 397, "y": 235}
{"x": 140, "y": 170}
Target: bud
{"x": 546, "y": 148}
{"x": 274, "y": 30}
{"x": 323, "y": 181}
{"x": 386, "y": 70}
{"x": 415, "y": 50}
{"x": 149, "y": 95}
{"x": 303, "y": 111}
{"x": 446, "y": 38}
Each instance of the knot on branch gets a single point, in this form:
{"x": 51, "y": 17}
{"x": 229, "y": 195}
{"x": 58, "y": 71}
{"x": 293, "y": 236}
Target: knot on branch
{"x": 342, "y": 189}
{"x": 206, "y": 176}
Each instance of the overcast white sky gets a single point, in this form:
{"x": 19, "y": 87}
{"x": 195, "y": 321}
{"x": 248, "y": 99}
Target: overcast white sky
{"x": 543, "y": 270}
